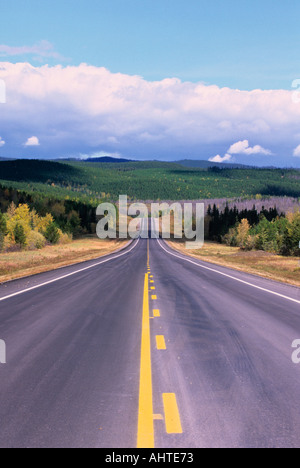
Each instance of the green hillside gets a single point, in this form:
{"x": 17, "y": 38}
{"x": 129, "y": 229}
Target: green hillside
{"x": 203, "y": 164}
{"x": 145, "y": 180}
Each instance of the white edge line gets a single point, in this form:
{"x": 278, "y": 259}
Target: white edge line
{"x": 70, "y": 274}
{"x": 228, "y": 276}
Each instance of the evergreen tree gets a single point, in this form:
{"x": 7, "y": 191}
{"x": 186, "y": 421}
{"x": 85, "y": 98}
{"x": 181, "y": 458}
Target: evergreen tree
{"x": 3, "y": 225}
{"x": 52, "y": 233}
{"x": 3, "y": 228}
{"x": 19, "y": 235}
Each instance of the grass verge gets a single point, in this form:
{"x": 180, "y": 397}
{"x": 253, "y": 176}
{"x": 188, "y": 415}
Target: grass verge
{"x": 267, "y": 265}
{"x": 15, "y": 265}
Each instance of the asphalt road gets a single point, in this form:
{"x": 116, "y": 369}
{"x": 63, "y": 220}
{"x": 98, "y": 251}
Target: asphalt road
{"x": 91, "y": 353}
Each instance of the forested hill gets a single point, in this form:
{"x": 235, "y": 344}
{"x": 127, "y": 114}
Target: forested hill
{"x": 202, "y": 164}
{"x": 145, "y": 180}
{"x": 38, "y": 171}
{"x": 102, "y": 159}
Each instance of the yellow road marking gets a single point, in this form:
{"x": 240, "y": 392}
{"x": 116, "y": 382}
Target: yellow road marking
{"x": 160, "y": 342}
{"x": 153, "y": 298}
{"x": 145, "y": 422}
{"x": 156, "y": 312}
{"x": 172, "y": 417}
{"x": 153, "y": 288}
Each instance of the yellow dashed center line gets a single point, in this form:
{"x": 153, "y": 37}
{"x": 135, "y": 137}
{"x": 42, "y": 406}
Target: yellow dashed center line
{"x": 160, "y": 342}
{"x": 146, "y": 418}
{"x": 145, "y": 422}
{"x": 172, "y": 417}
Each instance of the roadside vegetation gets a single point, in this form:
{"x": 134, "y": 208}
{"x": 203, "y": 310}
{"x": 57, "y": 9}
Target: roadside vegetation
{"x": 267, "y": 230}
{"x": 262, "y": 242}
{"x": 74, "y": 217}
{"x": 23, "y": 229}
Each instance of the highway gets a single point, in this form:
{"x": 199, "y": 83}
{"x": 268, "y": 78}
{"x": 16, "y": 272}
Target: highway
{"x": 148, "y": 347}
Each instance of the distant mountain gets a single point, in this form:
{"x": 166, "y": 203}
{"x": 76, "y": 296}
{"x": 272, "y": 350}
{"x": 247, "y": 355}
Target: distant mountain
{"x": 203, "y": 164}
{"x": 102, "y": 159}
{"x": 108, "y": 159}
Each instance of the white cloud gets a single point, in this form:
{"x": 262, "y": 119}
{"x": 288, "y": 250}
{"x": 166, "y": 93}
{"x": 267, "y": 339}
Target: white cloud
{"x": 42, "y": 49}
{"x": 84, "y": 109}
{"x": 242, "y": 147}
{"x": 297, "y": 151}
{"x": 2, "y": 142}
{"x": 220, "y": 159}
{"x": 32, "y": 141}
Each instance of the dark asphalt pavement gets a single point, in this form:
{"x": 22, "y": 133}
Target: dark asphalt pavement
{"x": 74, "y": 350}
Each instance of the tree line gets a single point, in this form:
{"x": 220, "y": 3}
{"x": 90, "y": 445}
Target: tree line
{"x": 266, "y": 230}
{"x": 24, "y": 215}
{"x": 72, "y": 217}
{"x": 23, "y": 228}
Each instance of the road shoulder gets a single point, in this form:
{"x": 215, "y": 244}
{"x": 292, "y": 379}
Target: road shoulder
{"x": 272, "y": 267}
{"x": 22, "y": 264}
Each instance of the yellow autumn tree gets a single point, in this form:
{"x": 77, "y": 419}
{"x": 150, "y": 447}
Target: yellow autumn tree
{"x": 243, "y": 233}
{"x": 43, "y": 223}
{"x": 33, "y": 226}
{"x": 19, "y": 216}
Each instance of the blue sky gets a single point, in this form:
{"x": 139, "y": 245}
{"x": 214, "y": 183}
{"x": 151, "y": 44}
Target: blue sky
{"x": 235, "y": 43}
{"x": 242, "y": 45}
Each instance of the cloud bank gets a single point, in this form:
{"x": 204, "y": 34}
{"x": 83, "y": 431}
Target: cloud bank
{"x": 86, "y": 109}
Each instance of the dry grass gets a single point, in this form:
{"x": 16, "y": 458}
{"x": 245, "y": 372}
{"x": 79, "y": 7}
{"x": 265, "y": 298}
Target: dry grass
{"x": 15, "y": 265}
{"x": 285, "y": 269}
